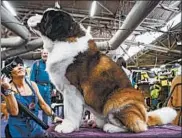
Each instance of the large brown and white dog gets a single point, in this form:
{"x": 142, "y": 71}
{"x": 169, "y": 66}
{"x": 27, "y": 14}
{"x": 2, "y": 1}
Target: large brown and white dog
{"x": 89, "y": 79}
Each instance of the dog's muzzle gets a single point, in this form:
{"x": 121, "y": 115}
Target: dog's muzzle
{"x": 34, "y": 20}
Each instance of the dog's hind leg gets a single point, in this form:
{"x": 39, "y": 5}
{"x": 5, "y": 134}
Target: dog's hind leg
{"x": 114, "y": 125}
{"x": 133, "y": 117}
{"x": 73, "y": 108}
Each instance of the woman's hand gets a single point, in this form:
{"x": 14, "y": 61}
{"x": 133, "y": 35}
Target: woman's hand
{"x": 12, "y": 106}
{"x": 5, "y": 83}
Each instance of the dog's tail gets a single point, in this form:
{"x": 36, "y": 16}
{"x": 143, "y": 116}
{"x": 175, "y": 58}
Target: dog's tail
{"x": 161, "y": 116}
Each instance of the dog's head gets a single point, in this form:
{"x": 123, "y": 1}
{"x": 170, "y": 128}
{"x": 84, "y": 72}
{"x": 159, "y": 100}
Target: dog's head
{"x": 56, "y": 25}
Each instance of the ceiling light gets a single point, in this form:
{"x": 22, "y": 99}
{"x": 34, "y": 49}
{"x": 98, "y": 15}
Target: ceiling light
{"x": 10, "y": 8}
{"x": 93, "y": 8}
{"x": 179, "y": 43}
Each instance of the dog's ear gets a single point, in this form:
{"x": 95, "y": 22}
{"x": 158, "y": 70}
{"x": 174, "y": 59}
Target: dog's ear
{"x": 59, "y": 25}
{"x": 76, "y": 30}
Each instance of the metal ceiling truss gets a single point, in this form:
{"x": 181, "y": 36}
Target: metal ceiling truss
{"x": 30, "y": 46}
{"x": 173, "y": 6}
{"x": 147, "y": 21}
{"x": 13, "y": 24}
{"x": 134, "y": 18}
{"x": 108, "y": 24}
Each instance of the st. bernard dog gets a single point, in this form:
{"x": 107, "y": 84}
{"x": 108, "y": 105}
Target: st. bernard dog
{"x": 89, "y": 79}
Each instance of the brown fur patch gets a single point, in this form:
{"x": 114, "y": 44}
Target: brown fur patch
{"x": 92, "y": 47}
{"x": 96, "y": 76}
{"x": 127, "y": 106}
{"x": 132, "y": 118}
{"x": 123, "y": 97}
{"x": 71, "y": 39}
{"x": 106, "y": 88}
{"x": 153, "y": 120}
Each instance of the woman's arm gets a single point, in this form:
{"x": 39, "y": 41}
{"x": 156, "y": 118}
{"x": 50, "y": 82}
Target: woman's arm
{"x": 12, "y": 105}
{"x": 45, "y": 107}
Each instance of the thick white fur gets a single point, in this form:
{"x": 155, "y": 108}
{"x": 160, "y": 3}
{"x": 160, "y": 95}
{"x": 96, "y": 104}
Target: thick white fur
{"x": 61, "y": 55}
{"x": 166, "y": 114}
{"x": 73, "y": 108}
{"x": 113, "y": 129}
{"x": 66, "y": 50}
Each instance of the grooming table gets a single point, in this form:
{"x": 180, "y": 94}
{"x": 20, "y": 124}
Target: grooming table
{"x": 170, "y": 131}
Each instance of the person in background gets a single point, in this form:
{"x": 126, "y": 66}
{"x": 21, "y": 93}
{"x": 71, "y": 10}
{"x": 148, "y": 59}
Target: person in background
{"x": 155, "y": 91}
{"x": 39, "y": 75}
{"x": 17, "y": 89}
{"x": 122, "y": 63}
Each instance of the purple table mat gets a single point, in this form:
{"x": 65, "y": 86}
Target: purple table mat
{"x": 170, "y": 131}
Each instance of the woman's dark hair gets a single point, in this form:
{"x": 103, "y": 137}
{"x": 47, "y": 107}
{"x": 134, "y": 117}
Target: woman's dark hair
{"x": 17, "y": 59}
{"x": 10, "y": 64}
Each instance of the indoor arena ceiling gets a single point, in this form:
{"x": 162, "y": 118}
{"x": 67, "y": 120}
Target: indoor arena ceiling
{"x": 108, "y": 18}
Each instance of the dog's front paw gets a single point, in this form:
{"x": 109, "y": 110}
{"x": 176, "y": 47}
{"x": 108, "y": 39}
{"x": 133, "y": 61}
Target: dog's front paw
{"x": 65, "y": 127}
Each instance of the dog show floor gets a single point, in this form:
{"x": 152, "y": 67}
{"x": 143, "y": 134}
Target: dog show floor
{"x": 164, "y": 131}
{"x": 170, "y": 131}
